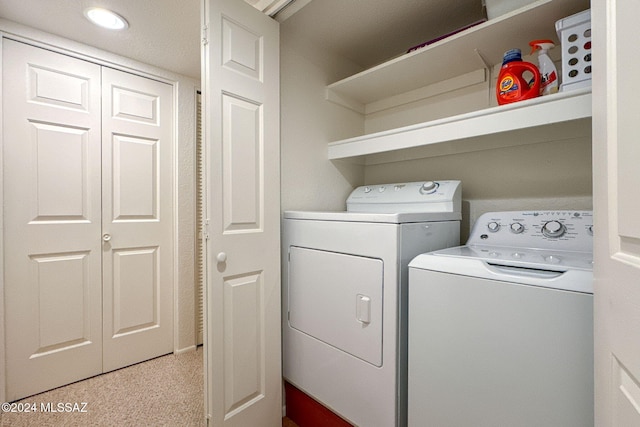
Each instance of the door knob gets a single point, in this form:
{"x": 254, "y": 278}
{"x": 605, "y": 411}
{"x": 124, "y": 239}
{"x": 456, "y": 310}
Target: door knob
{"x": 106, "y": 237}
{"x": 221, "y": 257}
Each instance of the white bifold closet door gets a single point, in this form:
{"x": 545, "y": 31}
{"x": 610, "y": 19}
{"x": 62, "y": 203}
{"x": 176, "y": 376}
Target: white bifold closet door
{"x": 137, "y": 207}
{"x": 87, "y": 161}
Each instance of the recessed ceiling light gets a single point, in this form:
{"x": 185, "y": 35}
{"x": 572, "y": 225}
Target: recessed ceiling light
{"x": 106, "y": 18}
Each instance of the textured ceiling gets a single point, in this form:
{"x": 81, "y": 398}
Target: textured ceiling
{"x": 165, "y": 33}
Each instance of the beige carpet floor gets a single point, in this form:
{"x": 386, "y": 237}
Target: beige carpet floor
{"x": 166, "y": 391}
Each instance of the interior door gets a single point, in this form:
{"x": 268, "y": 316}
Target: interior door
{"x": 616, "y": 154}
{"x": 241, "y": 117}
{"x": 51, "y": 182}
{"x": 137, "y": 218}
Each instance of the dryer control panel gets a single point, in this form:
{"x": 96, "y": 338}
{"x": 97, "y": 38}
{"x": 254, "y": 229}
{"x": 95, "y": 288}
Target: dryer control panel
{"x": 554, "y": 229}
{"x": 421, "y": 196}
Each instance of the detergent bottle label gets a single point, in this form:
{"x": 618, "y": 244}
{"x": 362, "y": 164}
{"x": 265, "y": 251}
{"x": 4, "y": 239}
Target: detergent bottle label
{"x": 509, "y": 87}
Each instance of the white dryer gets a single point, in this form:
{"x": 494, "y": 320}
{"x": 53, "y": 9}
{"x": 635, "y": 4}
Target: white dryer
{"x": 501, "y": 330}
{"x": 344, "y": 294}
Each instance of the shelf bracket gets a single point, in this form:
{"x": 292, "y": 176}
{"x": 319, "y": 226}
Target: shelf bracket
{"x": 484, "y": 61}
{"x": 487, "y": 67}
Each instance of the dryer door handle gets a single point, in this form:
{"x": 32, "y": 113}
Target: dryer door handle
{"x": 363, "y": 309}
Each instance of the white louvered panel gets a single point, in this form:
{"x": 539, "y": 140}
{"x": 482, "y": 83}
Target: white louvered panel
{"x": 200, "y": 242}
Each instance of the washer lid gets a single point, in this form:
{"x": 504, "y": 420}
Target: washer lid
{"x": 565, "y": 270}
{"x": 391, "y": 218}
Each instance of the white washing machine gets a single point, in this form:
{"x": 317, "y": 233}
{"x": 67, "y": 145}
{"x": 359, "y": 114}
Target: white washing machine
{"x": 501, "y": 330}
{"x": 344, "y": 294}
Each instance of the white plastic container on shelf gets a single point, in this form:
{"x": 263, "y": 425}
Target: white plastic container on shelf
{"x": 496, "y": 8}
{"x": 575, "y": 40}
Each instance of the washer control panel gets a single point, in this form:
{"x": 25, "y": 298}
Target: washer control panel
{"x": 557, "y": 230}
{"x": 421, "y": 196}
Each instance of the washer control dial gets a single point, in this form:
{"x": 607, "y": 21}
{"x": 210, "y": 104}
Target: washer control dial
{"x": 493, "y": 226}
{"x": 553, "y": 229}
{"x": 429, "y": 187}
{"x": 517, "y": 227}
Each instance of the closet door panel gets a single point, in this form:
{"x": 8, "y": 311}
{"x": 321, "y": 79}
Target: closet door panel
{"x": 241, "y": 119}
{"x": 52, "y": 210}
{"x": 137, "y": 140}
{"x": 135, "y": 183}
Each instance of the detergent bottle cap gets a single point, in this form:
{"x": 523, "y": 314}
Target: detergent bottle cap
{"x": 543, "y": 45}
{"x": 512, "y": 55}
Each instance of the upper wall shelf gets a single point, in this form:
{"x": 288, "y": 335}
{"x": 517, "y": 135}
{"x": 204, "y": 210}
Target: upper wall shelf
{"x": 562, "y": 116}
{"x": 475, "y": 48}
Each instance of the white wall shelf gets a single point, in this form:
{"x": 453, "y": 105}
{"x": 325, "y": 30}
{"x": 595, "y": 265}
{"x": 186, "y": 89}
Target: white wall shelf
{"x": 562, "y": 116}
{"x": 478, "y": 47}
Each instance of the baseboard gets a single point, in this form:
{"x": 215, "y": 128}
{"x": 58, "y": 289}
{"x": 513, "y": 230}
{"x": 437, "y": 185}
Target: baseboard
{"x": 186, "y": 349}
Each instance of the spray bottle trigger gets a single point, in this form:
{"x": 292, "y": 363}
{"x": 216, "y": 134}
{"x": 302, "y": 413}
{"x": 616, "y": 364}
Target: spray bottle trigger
{"x": 541, "y": 44}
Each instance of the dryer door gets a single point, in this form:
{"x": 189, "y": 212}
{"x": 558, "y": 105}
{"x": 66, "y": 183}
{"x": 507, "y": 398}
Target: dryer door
{"x": 337, "y": 298}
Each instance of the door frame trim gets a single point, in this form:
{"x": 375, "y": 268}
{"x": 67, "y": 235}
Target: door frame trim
{"x": 183, "y": 226}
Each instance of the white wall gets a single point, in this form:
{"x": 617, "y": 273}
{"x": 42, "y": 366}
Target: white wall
{"x": 548, "y": 169}
{"x": 185, "y": 300}
{"x": 451, "y": 102}
{"x": 549, "y": 175}
{"x": 309, "y": 181}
